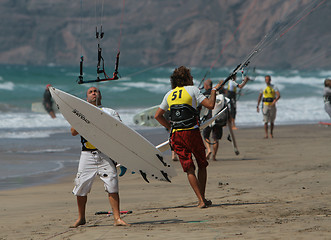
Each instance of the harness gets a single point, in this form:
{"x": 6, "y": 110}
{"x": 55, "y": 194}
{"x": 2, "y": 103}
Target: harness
{"x": 86, "y": 145}
{"x": 183, "y": 116}
{"x": 269, "y": 95}
{"x": 327, "y": 98}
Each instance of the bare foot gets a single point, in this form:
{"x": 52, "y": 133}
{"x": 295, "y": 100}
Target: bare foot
{"x": 202, "y": 205}
{"x": 234, "y": 128}
{"x": 214, "y": 158}
{"x": 120, "y": 222}
{"x": 78, "y": 223}
{"x": 208, "y": 155}
{"x": 271, "y": 136}
{"x": 265, "y": 137}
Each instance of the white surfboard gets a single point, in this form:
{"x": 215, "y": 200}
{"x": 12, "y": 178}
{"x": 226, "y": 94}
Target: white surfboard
{"x": 113, "y": 138}
{"x": 146, "y": 117}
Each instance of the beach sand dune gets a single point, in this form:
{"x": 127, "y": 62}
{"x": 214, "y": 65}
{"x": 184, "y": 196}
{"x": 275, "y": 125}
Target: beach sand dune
{"x": 275, "y": 189}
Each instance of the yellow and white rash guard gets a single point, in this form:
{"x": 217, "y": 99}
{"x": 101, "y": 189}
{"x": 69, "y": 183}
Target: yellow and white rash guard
{"x": 189, "y": 95}
{"x": 269, "y": 94}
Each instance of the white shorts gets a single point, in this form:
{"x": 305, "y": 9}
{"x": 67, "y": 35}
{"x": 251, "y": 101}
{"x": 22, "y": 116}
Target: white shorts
{"x": 92, "y": 164}
{"x": 269, "y": 113}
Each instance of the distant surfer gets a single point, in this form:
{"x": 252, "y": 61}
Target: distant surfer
{"x": 48, "y": 102}
{"x": 269, "y": 96}
{"x": 216, "y": 129}
{"x": 327, "y": 96}
{"x": 185, "y": 137}
{"x": 92, "y": 162}
{"x": 231, "y": 93}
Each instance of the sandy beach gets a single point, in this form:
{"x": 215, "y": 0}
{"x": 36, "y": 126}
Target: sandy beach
{"x": 275, "y": 189}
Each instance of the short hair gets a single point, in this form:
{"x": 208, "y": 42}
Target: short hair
{"x": 208, "y": 83}
{"x": 181, "y": 77}
{"x": 327, "y": 82}
{"x": 93, "y": 87}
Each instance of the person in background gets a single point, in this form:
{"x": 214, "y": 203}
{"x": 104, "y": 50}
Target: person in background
{"x": 232, "y": 95}
{"x": 269, "y": 96}
{"x": 327, "y": 96}
{"x": 185, "y": 137}
{"x": 216, "y": 129}
{"x": 48, "y": 102}
{"x": 94, "y": 163}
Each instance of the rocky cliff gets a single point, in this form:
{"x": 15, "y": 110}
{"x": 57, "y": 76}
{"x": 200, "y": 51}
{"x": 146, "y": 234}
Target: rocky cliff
{"x": 199, "y": 33}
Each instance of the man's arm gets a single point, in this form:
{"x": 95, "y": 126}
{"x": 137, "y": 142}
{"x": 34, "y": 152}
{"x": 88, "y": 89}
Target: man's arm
{"x": 73, "y": 132}
{"x": 161, "y": 119}
{"x": 241, "y": 85}
{"x": 258, "y": 103}
{"x": 210, "y": 102}
{"x": 276, "y": 99}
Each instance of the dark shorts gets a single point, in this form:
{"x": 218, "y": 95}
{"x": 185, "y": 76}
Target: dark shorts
{"x": 216, "y": 130}
{"x": 186, "y": 143}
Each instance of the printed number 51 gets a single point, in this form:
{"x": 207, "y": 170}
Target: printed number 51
{"x": 174, "y": 95}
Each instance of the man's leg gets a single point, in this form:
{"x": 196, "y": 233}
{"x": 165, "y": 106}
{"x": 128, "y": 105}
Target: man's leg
{"x": 266, "y": 130}
{"x": 81, "y": 203}
{"x": 114, "y": 201}
{"x": 202, "y": 178}
{"x": 206, "y": 135}
{"x": 208, "y": 148}
{"x": 271, "y": 129}
{"x": 215, "y": 149}
{"x": 196, "y": 186}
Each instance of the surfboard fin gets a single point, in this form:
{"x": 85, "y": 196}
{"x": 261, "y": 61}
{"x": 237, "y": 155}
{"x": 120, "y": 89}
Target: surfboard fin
{"x": 144, "y": 176}
{"x": 161, "y": 159}
{"x": 165, "y": 175}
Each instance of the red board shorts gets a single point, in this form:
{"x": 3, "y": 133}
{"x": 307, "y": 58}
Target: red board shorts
{"x": 184, "y": 143}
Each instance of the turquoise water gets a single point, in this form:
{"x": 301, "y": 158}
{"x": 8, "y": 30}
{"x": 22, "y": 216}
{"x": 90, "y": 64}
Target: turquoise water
{"x": 35, "y": 148}
{"x": 301, "y": 92}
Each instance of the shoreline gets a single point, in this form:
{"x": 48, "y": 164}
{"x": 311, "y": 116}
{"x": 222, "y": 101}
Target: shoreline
{"x": 70, "y": 159}
{"x": 275, "y": 189}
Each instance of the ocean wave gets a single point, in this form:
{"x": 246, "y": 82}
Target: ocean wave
{"x": 311, "y": 110}
{"x": 7, "y": 86}
{"x": 151, "y": 87}
{"x": 30, "y": 120}
{"x": 325, "y": 74}
{"x": 50, "y": 150}
{"x": 29, "y": 168}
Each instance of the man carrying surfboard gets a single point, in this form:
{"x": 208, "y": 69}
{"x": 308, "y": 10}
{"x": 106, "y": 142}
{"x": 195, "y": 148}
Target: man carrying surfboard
{"x": 185, "y": 137}
{"x": 92, "y": 162}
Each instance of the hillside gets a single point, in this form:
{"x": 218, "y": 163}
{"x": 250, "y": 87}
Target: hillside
{"x": 154, "y": 32}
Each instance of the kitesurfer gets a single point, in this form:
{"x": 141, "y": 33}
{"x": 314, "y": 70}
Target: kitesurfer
{"x": 216, "y": 129}
{"x": 327, "y": 96}
{"x": 269, "y": 96}
{"x": 185, "y": 140}
{"x": 231, "y": 93}
{"x": 94, "y": 163}
{"x": 48, "y": 102}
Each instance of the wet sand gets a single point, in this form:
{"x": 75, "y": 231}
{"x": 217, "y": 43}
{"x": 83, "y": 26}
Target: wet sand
{"x": 275, "y": 189}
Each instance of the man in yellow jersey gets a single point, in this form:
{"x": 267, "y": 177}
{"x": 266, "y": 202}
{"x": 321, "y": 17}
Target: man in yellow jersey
{"x": 183, "y": 100}
{"x": 92, "y": 162}
{"x": 269, "y": 96}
